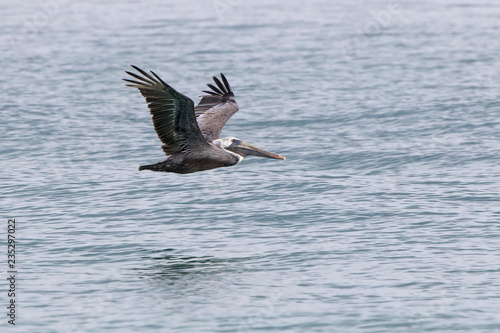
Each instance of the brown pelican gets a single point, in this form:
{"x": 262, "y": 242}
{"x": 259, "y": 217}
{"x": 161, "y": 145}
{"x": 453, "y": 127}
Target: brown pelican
{"x": 190, "y": 134}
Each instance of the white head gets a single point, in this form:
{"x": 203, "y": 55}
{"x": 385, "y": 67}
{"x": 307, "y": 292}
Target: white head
{"x": 225, "y": 143}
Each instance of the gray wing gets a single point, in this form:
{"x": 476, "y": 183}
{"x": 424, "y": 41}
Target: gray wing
{"x": 215, "y": 109}
{"x": 173, "y": 113}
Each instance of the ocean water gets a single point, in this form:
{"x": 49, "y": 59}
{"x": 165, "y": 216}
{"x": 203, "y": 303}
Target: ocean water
{"x": 384, "y": 217}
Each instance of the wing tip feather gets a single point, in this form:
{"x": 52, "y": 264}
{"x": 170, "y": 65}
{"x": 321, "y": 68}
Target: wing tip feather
{"x": 223, "y": 88}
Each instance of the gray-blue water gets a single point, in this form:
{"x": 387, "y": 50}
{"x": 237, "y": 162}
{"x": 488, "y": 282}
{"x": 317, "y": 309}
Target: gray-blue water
{"x": 384, "y": 217}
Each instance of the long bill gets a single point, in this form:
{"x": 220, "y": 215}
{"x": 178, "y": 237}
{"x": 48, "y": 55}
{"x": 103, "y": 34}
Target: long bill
{"x": 243, "y": 148}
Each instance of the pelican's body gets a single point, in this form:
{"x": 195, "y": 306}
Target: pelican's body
{"x": 209, "y": 158}
{"x": 191, "y": 134}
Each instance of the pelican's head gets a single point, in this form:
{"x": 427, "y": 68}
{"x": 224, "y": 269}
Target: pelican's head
{"x": 242, "y": 149}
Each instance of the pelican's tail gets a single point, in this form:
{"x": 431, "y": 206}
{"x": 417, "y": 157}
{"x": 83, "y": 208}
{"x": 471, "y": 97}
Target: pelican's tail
{"x": 160, "y": 166}
{"x": 152, "y": 167}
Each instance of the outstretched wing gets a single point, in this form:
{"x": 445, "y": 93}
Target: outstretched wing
{"x": 173, "y": 113}
{"x": 215, "y": 109}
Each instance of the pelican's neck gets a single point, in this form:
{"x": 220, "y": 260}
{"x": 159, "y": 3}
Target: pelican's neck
{"x": 240, "y": 158}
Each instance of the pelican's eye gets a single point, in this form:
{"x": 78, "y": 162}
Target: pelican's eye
{"x": 233, "y": 140}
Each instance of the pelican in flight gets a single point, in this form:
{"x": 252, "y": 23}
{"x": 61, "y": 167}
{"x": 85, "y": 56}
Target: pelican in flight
{"x": 190, "y": 135}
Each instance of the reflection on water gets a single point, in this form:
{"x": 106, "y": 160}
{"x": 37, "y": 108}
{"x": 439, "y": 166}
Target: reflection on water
{"x": 174, "y": 266}
{"x": 175, "y": 275}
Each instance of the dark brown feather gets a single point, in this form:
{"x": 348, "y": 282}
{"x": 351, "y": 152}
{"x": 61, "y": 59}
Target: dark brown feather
{"x": 220, "y": 85}
{"x": 228, "y": 87}
{"x": 211, "y": 86}
{"x": 172, "y": 113}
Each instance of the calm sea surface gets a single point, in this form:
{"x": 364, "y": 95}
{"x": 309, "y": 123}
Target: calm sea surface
{"x": 384, "y": 217}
